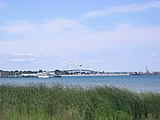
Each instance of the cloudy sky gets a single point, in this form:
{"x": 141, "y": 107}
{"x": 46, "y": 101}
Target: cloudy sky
{"x": 107, "y": 35}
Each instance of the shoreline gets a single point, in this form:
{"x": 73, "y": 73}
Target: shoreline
{"x": 81, "y": 75}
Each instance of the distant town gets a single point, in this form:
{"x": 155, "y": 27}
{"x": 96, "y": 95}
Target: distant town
{"x": 74, "y": 72}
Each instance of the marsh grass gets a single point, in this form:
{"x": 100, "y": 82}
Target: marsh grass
{"x": 39, "y": 102}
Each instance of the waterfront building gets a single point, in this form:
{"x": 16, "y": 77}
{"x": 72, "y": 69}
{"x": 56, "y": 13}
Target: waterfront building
{"x": 4, "y": 73}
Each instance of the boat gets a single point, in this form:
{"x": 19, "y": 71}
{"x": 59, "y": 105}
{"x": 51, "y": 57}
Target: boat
{"x": 47, "y": 75}
{"x": 44, "y": 75}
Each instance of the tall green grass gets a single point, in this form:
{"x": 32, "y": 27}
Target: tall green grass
{"x": 58, "y": 102}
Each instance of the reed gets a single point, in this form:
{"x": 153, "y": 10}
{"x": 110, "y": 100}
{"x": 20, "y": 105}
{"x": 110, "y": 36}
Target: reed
{"x": 39, "y": 102}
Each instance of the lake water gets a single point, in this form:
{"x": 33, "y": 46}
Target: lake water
{"x": 137, "y": 83}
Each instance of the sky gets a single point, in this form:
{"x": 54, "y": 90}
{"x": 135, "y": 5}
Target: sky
{"x": 103, "y": 35}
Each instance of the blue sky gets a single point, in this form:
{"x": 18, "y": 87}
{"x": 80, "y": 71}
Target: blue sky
{"x": 104, "y": 35}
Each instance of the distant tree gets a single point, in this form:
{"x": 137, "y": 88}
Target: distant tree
{"x": 65, "y": 72}
{"x": 40, "y": 71}
{"x": 57, "y": 72}
{"x": 16, "y": 72}
{"x": 29, "y": 72}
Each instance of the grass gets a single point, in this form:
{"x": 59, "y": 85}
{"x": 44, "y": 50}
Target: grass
{"x": 40, "y": 102}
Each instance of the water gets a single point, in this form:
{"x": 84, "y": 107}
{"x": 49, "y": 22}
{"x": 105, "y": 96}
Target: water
{"x": 136, "y": 83}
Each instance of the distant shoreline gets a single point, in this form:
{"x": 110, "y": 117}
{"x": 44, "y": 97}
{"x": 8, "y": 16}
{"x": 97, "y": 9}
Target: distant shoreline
{"x": 74, "y": 72}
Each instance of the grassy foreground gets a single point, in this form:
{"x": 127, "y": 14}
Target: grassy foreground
{"x": 74, "y": 103}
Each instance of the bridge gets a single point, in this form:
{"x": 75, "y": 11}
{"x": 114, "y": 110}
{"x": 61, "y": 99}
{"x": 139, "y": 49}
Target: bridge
{"x": 82, "y": 71}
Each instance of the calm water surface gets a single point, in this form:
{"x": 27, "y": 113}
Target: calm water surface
{"x": 137, "y": 83}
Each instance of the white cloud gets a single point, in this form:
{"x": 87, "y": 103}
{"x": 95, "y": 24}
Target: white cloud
{"x": 17, "y": 60}
{"x": 50, "y": 49}
{"x": 19, "y": 57}
{"x": 16, "y": 54}
{"x": 121, "y": 9}
{"x": 47, "y": 27}
{"x": 71, "y": 36}
{"x": 21, "y": 60}
{"x": 62, "y": 25}
{"x": 19, "y": 28}
{"x": 29, "y": 54}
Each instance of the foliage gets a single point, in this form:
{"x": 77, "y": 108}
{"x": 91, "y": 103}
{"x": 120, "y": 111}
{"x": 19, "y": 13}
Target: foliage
{"x": 40, "y": 102}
